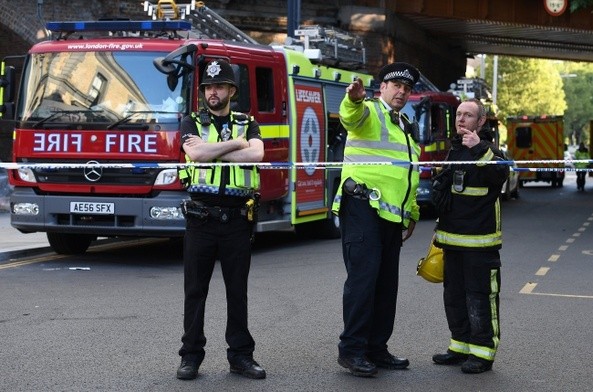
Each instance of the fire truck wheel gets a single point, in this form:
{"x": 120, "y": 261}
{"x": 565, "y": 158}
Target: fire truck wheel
{"x": 69, "y": 244}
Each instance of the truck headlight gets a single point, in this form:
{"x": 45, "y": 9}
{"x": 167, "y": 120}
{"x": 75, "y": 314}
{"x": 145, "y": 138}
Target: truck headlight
{"x": 25, "y": 209}
{"x": 26, "y": 174}
{"x": 166, "y": 177}
{"x": 166, "y": 213}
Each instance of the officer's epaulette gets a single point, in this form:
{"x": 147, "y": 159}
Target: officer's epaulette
{"x": 240, "y": 118}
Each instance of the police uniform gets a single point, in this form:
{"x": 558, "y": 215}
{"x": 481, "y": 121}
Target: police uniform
{"x": 218, "y": 228}
{"x": 375, "y": 204}
{"x": 469, "y": 232}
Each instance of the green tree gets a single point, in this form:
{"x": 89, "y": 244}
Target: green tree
{"x": 527, "y": 86}
{"x": 578, "y": 84}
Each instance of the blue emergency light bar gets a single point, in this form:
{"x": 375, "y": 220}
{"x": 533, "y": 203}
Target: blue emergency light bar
{"x": 118, "y": 25}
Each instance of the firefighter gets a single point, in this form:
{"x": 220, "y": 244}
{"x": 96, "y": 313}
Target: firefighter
{"x": 378, "y": 210}
{"x": 582, "y": 153}
{"x": 469, "y": 232}
{"x": 219, "y": 219}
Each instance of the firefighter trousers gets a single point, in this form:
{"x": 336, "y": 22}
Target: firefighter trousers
{"x": 207, "y": 240}
{"x": 471, "y": 298}
{"x": 371, "y": 248}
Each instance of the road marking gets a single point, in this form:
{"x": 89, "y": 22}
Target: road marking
{"x": 570, "y": 240}
{"x": 562, "y": 295}
{"x": 588, "y": 252}
{"x": 528, "y": 288}
{"x": 14, "y": 264}
{"x": 586, "y": 224}
{"x": 554, "y": 258}
{"x": 576, "y": 235}
{"x": 542, "y": 271}
{"x": 582, "y": 229}
{"x": 94, "y": 248}
{"x": 563, "y": 247}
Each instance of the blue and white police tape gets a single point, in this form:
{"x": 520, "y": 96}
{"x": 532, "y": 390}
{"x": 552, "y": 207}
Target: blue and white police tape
{"x": 423, "y": 165}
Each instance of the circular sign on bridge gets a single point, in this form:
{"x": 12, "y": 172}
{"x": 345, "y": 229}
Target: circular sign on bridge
{"x": 555, "y": 7}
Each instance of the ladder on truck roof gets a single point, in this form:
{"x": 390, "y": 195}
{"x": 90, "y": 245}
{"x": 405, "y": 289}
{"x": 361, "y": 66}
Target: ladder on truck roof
{"x": 205, "y": 22}
{"x": 329, "y": 43}
{"x": 325, "y": 45}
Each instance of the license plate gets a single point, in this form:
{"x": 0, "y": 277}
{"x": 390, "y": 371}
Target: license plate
{"x": 80, "y": 207}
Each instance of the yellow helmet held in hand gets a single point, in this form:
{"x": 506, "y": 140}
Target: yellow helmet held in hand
{"x": 431, "y": 266}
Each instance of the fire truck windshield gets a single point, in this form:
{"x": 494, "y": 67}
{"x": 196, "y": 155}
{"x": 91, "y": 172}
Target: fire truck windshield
{"x": 102, "y": 88}
{"x": 417, "y": 111}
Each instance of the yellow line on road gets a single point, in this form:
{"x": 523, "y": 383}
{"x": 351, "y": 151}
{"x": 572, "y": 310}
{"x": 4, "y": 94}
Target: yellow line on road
{"x": 94, "y": 248}
{"x": 528, "y": 288}
{"x": 554, "y": 258}
{"x": 542, "y": 271}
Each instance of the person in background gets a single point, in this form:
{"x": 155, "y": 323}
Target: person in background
{"x": 377, "y": 210}
{"x": 219, "y": 219}
{"x": 469, "y": 232}
{"x": 582, "y": 153}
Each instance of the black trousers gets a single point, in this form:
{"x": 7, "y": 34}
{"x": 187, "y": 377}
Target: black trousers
{"x": 371, "y": 248}
{"x": 471, "y": 298}
{"x": 581, "y": 178}
{"x": 205, "y": 242}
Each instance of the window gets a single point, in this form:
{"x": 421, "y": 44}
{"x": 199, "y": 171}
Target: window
{"x": 265, "y": 89}
{"x": 523, "y": 137}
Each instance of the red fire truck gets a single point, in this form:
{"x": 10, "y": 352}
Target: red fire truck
{"x": 96, "y": 143}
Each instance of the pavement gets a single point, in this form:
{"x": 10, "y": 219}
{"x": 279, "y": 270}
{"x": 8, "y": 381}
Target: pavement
{"x": 16, "y": 244}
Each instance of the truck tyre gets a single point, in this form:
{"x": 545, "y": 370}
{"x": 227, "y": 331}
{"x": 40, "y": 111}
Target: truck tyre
{"x": 69, "y": 244}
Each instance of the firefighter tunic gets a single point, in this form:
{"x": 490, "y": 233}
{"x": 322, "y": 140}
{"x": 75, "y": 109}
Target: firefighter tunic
{"x": 470, "y": 233}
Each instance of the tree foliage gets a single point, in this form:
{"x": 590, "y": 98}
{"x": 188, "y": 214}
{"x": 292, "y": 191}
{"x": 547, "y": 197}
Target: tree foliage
{"x": 527, "y": 86}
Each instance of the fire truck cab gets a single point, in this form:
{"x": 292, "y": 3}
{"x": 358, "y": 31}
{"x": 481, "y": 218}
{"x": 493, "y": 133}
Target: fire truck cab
{"x": 96, "y": 143}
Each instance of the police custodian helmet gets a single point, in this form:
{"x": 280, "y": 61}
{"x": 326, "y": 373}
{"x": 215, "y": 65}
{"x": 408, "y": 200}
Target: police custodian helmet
{"x": 401, "y": 72}
{"x": 218, "y": 72}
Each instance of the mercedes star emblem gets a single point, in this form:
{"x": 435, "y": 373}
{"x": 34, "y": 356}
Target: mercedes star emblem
{"x": 93, "y": 173}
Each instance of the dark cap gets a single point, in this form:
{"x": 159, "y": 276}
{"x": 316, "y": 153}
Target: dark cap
{"x": 402, "y": 72}
{"x": 218, "y": 72}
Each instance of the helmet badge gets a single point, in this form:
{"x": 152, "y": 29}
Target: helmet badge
{"x": 213, "y": 69}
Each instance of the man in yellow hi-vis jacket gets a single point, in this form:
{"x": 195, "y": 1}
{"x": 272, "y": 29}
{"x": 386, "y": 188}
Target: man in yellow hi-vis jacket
{"x": 378, "y": 210}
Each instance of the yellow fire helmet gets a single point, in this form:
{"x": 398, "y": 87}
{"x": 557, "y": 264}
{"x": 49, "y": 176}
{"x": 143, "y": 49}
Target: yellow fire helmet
{"x": 431, "y": 266}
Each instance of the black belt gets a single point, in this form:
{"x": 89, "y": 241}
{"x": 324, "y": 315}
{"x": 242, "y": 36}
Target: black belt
{"x": 359, "y": 191}
{"x": 198, "y": 209}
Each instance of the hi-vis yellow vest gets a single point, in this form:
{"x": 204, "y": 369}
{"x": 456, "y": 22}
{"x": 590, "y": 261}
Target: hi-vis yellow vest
{"x": 373, "y": 139}
{"x": 243, "y": 180}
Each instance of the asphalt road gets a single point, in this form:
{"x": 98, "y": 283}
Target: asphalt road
{"x": 111, "y": 320}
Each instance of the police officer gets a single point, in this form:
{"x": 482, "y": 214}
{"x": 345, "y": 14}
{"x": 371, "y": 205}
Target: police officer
{"x": 217, "y": 219}
{"x": 378, "y": 210}
{"x": 469, "y": 232}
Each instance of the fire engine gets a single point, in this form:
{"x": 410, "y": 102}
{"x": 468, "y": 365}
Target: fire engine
{"x": 537, "y": 138}
{"x": 96, "y": 144}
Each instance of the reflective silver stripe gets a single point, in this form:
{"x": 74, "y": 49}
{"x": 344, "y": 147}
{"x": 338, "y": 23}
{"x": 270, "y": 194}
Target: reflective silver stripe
{"x": 483, "y": 352}
{"x": 384, "y": 145}
{"x": 384, "y": 130}
{"x": 373, "y": 158}
{"x": 471, "y": 191}
{"x": 485, "y": 158}
{"x": 459, "y": 347}
{"x": 469, "y": 241}
{"x": 383, "y": 206}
